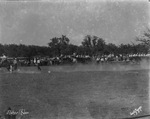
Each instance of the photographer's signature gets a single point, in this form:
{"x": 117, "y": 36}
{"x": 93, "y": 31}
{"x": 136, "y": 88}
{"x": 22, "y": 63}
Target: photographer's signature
{"x": 136, "y": 111}
{"x": 20, "y": 112}
{"x": 12, "y": 113}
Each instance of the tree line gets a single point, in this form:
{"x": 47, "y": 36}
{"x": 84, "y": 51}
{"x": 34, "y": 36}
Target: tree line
{"x": 91, "y": 45}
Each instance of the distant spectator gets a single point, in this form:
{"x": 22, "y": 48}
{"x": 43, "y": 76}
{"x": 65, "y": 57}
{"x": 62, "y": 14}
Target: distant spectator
{"x": 102, "y": 59}
{"x": 97, "y": 60}
{"x": 38, "y": 64}
{"x": 15, "y": 64}
{"x": 34, "y": 61}
{"x": 74, "y": 60}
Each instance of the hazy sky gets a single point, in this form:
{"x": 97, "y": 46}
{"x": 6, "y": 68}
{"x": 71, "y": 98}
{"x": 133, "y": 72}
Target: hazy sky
{"x": 38, "y": 21}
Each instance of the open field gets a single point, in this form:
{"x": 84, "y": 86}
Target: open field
{"x": 76, "y": 92}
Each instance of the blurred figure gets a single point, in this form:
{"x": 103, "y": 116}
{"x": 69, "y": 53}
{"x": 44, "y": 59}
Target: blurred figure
{"x": 10, "y": 68}
{"x": 8, "y": 63}
{"x": 97, "y": 60}
{"x": 34, "y": 61}
{"x": 117, "y": 58}
{"x": 74, "y": 60}
{"x": 38, "y": 64}
{"x": 15, "y": 64}
{"x": 102, "y": 59}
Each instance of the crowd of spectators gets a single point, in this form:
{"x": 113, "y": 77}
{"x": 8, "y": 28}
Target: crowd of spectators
{"x": 72, "y": 59}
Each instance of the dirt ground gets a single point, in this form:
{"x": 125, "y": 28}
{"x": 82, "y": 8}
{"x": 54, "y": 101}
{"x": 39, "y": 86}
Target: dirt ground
{"x": 76, "y": 92}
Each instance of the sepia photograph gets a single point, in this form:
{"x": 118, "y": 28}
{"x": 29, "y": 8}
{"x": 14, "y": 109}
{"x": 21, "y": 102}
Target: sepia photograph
{"x": 74, "y": 59}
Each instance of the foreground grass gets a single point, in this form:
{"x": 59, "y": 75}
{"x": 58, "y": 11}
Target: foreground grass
{"x": 75, "y": 95}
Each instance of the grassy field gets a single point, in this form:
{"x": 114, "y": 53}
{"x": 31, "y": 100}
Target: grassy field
{"x": 76, "y": 92}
